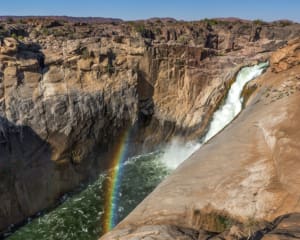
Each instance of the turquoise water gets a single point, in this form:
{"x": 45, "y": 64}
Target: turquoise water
{"x": 80, "y": 216}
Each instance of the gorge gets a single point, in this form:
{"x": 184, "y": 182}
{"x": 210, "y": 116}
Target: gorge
{"x": 89, "y": 208}
{"x": 72, "y": 92}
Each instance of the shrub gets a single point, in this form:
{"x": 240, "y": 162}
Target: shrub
{"x": 158, "y": 31}
{"x": 111, "y": 57}
{"x": 20, "y": 38}
{"x": 141, "y": 29}
{"x": 258, "y": 22}
{"x": 211, "y": 21}
{"x": 182, "y": 40}
{"x": 76, "y": 156}
{"x": 110, "y": 69}
{"x": 85, "y": 53}
{"x": 2, "y": 33}
{"x": 14, "y": 36}
{"x": 284, "y": 23}
{"x": 45, "y": 31}
{"x": 10, "y": 20}
{"x": 58, "y": 33}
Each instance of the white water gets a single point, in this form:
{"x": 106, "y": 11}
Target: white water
{"x": 177, "y": 152}
{"x": 233, "y": 103}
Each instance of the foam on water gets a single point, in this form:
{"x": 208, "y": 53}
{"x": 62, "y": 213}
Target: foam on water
{"x": 176, "y": 152}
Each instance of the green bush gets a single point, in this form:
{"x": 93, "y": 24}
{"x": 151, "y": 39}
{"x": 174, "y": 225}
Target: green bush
{"x": 182, "y": 39}
{"x": 10, "y": 20}
{"x": 20, "y": 38}
{"x": 284, "y": 23}
{"x": 141, "y": 29}
{"x": 58, "y": 33}
{"x": 110, "y": 69}
{"x": 45, "y": 31}
{"x": 85, "y": 53}
{"x": 2, "y": 33}
{"x": 211, "y": 21}
{"x": 111, "y": 57}
{"x": 14, "y": 36}
{"x": 258, "y": 22}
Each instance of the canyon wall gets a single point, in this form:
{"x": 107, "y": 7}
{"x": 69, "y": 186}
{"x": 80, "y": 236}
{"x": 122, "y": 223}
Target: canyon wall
{"x": 68, "y": 90}
{"x": 244, "y": 182}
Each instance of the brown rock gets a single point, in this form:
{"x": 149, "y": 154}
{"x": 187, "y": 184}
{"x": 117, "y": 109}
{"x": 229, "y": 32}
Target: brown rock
{"x": 85, "y": 64}
{"x": 288, "y": 228}
{"x": 52, "y": 58}
{"x": 287, "y": 58}
{"x": 53, "y": 75}
{"x": 10, "y": 46}
{"x": 250, "y": 171}
{"x": 158, "y": 232}
{"x": 10, "y": 76}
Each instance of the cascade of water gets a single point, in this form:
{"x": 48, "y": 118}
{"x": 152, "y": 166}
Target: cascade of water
{"x": 176, "y": 153}
{"x": 233, "y": 103}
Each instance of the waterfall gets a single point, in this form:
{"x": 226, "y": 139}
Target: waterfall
{"x": 233, "y": 103}
{"x": 176, "y": 152}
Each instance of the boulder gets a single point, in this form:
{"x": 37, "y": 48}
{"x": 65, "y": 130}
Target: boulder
{"x": 9, "y": 47}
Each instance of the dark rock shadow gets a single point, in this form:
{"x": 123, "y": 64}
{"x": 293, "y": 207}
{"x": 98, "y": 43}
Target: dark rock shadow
{"x": 26, "y": 172}
{"x": 145, "y": 96}
{"x": 29, "y": 51}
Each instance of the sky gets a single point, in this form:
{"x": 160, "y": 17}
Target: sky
{"x": 267, "y": 10}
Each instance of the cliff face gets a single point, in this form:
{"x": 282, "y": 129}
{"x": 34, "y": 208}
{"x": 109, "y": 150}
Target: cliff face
{"x": 75, "y": 114}
{"x": 67, "y": 90}
{"x": 243, "y": 178}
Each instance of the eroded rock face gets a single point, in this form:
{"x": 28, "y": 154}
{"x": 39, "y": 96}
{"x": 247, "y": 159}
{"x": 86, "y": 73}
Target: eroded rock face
{"x": 71, "y": 110}
{"x": 243, "y": 178}
{"x": 68, "y": 90}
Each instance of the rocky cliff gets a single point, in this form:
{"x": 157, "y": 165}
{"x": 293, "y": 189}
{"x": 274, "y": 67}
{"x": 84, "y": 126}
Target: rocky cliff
{"x": 68, "y": 90}
{"x": 243, "y": 183}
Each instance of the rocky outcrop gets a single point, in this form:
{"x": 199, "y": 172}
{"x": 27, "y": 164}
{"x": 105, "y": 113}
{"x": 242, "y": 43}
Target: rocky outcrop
{"x": 242, "y": 179}
{"x": 285, "y": 227}
{"x": 68, "y": 90}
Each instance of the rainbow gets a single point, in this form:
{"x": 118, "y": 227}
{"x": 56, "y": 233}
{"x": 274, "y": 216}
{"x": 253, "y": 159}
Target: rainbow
{"x": 113, "y": 184}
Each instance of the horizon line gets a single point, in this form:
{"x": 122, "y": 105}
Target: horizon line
{"x": 146, "y": 19}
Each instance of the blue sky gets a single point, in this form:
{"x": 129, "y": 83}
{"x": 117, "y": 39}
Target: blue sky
{"x": 141, "y": 9}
